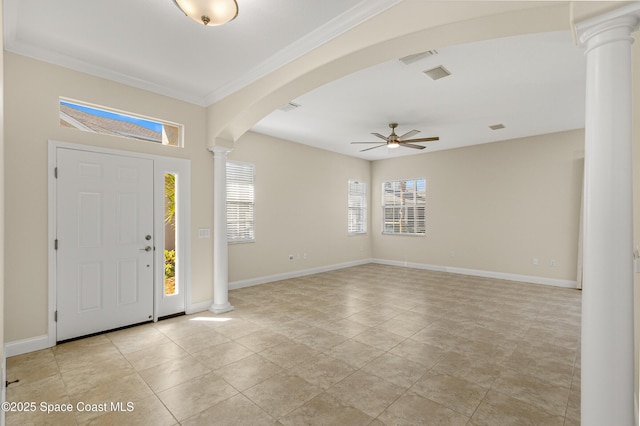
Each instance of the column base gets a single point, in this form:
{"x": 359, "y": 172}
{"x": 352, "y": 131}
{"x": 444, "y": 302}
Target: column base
{"x": 221, "y": 309}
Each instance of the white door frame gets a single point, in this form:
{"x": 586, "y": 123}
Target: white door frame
{"x": 183, "y": 241}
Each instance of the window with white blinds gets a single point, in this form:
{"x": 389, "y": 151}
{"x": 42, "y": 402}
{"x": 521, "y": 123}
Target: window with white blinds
{"x": 403, "y": 209}
{"x": 357, "y": 202}
{"x": 240, "y": 202}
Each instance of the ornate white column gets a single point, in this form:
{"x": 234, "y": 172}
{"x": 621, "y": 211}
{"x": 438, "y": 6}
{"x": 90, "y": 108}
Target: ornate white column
{"x": 220, "y": 249}
{"x": 607, "y": 384}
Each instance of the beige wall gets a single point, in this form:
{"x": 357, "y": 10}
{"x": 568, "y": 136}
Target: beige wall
{"x": 495, "y": 206}
{"x": 301, "y": 207}
{"x": 32, "y": 90}
{"x": 513, "y": 186}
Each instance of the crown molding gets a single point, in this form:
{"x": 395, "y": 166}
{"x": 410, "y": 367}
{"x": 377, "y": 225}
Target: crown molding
{"x": 65, "y": 61}
{"x": 332, "y": 29}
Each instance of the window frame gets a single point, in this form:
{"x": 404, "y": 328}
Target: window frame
{"x": 411, "y": 208}
{"x": 249, "y": 224}
{"x": 360, "y": 217}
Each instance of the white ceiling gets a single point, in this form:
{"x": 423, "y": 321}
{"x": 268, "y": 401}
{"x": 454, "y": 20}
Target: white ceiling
{"x": 532, "y": 84}
{"x": 151, "y": 44}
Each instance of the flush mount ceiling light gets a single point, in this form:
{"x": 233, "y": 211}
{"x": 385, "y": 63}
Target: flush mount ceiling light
{"x": 209, "y": 12}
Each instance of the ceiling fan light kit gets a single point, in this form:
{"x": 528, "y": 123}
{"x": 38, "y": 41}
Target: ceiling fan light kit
{"x": 395, "y": 141}
{"x": 209, "y": 12}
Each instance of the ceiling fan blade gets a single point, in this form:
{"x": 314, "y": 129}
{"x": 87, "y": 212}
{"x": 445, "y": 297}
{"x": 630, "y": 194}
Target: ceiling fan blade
{"x": 409, "y": 134}
{"x": 373, "y": 147}
{"x": 410, "y": 145}
{"x": 384, "y": 138}
{"x": 365, "y": 142}
{"x": 422, "y": 139}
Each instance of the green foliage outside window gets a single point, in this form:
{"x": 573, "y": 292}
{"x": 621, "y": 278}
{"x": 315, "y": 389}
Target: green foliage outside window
{"x": 169, "y": 263}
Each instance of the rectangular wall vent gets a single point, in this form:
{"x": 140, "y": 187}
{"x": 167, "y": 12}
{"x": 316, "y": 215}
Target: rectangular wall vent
{"x": 410, "y": 59}
{"x": 497, "y": 126}
{"x": 437, "y": 73}
{"x": 289, "y": 107}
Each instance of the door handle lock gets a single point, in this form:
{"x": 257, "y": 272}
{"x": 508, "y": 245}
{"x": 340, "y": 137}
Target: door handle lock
{"x": 148, "y": 237}
{"x": 147, "y": 248}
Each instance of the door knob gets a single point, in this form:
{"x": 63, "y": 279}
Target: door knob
{"x": 148, "y": 237}
{"x": 147, "y": 248}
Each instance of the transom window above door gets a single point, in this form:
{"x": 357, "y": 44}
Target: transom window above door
{"x": 107, "y": 121}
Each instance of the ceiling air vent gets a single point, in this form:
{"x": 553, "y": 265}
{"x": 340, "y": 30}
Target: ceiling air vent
{"x": 437, "y": 73}
{"x": 289, "y": 107}
{"x": 497, "y": 126}
{"x": 410, "y": 59}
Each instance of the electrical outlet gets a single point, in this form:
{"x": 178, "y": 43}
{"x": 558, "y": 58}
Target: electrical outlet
{"x": 536, "y": 262}
{"x": 553, "y": 263}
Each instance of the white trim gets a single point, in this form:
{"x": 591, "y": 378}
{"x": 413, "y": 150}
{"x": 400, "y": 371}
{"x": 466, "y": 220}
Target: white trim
{"x": 192, "y": 308}
{"x": 339, "y": 25}
{"x": 556, "y": 282}
{"x": 631, "y": 9}
{"x": 41, "y": 342}
{"x": 51, "y": 236}
{"x": 295, "y": 274}
{"x": 182, "y": 168}
{"x": 405, "y": 264}
{"x": 24, "y": 346}
{"x": 56, "y": 58}
{"x": 358, "y": 14}
{"x": 53, "y": 145}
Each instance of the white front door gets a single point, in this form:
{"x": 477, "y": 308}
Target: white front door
{"x": 105, "y": 240}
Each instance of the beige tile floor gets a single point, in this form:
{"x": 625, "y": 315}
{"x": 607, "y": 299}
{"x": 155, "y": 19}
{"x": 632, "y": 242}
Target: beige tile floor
{"x": 368, "y": 345}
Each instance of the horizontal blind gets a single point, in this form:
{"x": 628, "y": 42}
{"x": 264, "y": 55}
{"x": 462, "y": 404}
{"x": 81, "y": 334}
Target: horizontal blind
{"x": 357, "y": 206}
{"x": 240, "y": 202}
{"x": 403, "y": 209}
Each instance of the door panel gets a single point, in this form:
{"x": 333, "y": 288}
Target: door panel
{"x": 104, "y": 211}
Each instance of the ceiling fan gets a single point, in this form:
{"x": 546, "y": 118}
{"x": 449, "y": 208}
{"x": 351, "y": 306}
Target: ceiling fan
{"x": 394, "y": 141}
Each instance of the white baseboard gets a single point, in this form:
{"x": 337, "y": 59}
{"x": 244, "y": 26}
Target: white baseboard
{"x": 192, "y": 308}
{"x": 480, "y": 273}
{"x": 24, "y": 346}
{"x": 205, "y": 305}
{"x": 295, "y": 274}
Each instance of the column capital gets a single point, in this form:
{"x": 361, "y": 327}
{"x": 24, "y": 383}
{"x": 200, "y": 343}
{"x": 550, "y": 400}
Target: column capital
{"x": 626, "y": 18}
{"x": 219, "y": 150}
{"x": 221, "y": 142}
